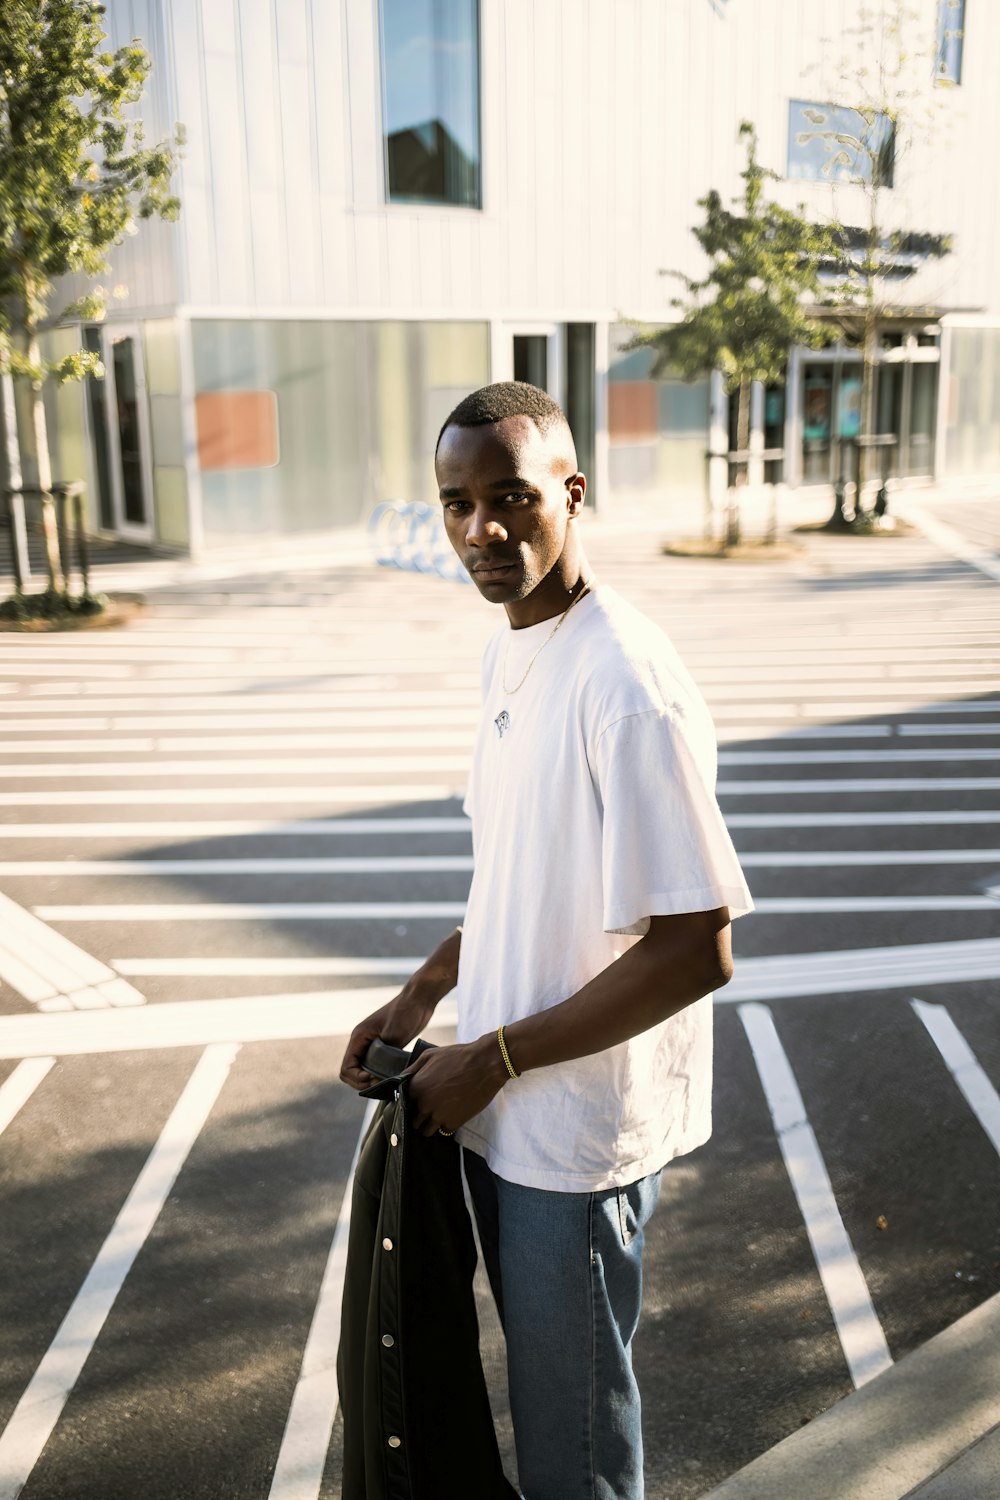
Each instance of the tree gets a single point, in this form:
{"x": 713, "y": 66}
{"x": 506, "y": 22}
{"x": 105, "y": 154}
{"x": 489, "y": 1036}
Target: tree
{"x": 886, "y": 80}
{"x": 75, "y": 174}
{"x": 752, "y": 304}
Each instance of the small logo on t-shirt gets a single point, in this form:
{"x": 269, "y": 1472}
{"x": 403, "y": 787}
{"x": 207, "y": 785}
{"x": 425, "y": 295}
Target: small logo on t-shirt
{"x": 502, "y": 721}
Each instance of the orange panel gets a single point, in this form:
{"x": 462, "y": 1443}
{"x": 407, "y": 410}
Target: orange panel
{"x": 237, "y": 429}
{"x": 632, "y": 411}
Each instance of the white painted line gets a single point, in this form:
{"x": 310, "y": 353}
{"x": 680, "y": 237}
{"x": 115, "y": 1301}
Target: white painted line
{"x": 851, "y": 757}
{"x": 876, "y": 818}
{"x": 259, "y": 968}
{"x": 388, "y": 738}
{"x": 860, "y": 1332}
{"x": 298, "y": 1473}
{"x": 262, "y": 911}
{"x": 414, "y": 911}
{"x": 855, "y": 970}
{"x": 37, "y": 668}
{"x": 388, "y": 794}
{"x": 415, "y": 864}
{"x": 886, "y": 784}
{"x": 54, "y": 957}
{"x": 344, "y": 719}
{"x": 17, "y": 1089}
{"x": 433, "y": 864}
{"x": 980, "y": 1095}
{"x": 41, "y": 1404}
{"x": 198, "y": 1023}
{"x": 144, "y": 695}
{"x": 839, "y": 858}
{"x": 392, "y": 794}
{"x": 134, "y": 709}
{"x": 285, "y": 765}
{"x": 28, "y": 983}
{"x": 213, "y": 828}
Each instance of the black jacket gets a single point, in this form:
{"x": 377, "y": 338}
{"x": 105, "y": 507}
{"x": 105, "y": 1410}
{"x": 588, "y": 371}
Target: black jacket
{"x": 417, "y": 1422}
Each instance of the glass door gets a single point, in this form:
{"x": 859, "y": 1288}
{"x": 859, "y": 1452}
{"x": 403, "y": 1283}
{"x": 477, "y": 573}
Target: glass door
{"x": 127, "y": 413}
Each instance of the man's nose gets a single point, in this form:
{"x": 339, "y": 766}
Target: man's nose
{"x": 484, "y": 528}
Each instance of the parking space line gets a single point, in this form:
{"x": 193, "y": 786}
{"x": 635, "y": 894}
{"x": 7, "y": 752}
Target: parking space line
{"x": 17, "y": 1089}
{"x": 860, "y": 1332}
{"x": 298, "y": 1472}
{"x": 961, "y": 1062}
{"x": 42, "y": 1402}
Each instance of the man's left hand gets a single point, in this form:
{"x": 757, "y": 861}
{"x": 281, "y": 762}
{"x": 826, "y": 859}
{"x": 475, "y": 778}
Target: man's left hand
{"x": 448, "y": 1085}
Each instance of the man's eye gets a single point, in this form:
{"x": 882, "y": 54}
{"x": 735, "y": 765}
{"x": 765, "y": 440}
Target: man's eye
{"x": 517, "y": 495}
{"x": 455, "y": 506}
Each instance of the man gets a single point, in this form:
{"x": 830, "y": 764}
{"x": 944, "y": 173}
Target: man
{"x": 597, "y": 927}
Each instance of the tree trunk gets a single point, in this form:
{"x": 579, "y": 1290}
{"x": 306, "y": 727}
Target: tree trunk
{"x": 867, "y": 412}
{"x": 53, "y": 561}
{"x": 12, "y": 465}
{"x": 733, "y": 529}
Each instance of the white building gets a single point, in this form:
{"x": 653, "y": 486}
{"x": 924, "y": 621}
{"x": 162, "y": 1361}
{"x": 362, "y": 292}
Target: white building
{"x": 386, "y": 203}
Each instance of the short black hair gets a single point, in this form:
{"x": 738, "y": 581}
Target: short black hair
{"x": 507, "y": 398}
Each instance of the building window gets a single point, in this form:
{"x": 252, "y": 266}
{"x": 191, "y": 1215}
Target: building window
{"x": 430, "y": 106}
{"x": 832, "y": 143}
{"x": 950, "y": 34}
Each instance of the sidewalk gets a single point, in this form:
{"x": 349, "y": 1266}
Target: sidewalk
{"x": 927, "y": 1429}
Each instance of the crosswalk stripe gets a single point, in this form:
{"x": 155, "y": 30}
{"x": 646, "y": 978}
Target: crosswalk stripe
{"x": 772, "y": 977}
{"x": 860, "y": 1332}
{"x": 964, "y": 1067}
{"x": 346, "y": 765}
{"x": 298, "y": 1473}
{"x": 242, "y": 828}
{"x": 401, "y": 911}
{"x": 380, "y": 827}
{"x": 270, "y": 968}
{"x": 42, "y": 1402}
{"x": 199, "y": 1023}
{"x": 390, "y": 794}
{"x": 17, "y": 1089}
{"x": 853, "y": 970}
{"x": 439, "y": 864}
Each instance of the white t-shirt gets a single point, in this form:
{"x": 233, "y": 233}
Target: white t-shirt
{"x": 592, "y": 798}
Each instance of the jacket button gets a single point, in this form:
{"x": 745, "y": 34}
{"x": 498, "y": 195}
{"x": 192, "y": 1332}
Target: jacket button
{"x": 388, "y": 1340}
{"x": 395, "y": 1442}
{"x": 387, "y": 1244}
{"x": 394, "y": 1139}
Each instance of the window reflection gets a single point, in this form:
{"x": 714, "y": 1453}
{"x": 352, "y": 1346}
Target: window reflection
{"x": 831, "y": 143}
{"x": 430, "y": 52}
{"x": 950, "y": 33}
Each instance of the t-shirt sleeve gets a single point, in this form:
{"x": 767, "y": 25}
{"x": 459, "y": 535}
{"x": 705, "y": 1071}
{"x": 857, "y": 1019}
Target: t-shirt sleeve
{"x": 665, "y": 846}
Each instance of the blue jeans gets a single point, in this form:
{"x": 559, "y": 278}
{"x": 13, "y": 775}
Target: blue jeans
{"x": 566, "y": 1273}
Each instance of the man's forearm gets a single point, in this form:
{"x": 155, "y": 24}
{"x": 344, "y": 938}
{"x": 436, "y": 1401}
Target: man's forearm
{"x": 439, "y": 974}
{"x": 650, "y": 982}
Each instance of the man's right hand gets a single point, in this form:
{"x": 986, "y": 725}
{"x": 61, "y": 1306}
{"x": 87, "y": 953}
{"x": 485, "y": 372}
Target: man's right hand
{"x": 397, "y": 1023}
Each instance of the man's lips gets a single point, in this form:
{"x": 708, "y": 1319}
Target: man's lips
{"x": 488, "y": 569}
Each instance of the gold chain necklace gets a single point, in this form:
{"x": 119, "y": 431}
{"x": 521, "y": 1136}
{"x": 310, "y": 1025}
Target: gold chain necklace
{"x": 503, "y": 670}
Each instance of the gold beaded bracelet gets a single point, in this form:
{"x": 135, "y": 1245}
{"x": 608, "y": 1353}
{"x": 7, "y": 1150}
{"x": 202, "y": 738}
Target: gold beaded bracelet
{"x": 506, "y": 1054}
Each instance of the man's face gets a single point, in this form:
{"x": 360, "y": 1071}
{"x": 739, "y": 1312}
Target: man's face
{"x": 508, "y": 494}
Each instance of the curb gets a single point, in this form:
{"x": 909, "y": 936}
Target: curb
{"x": 897, "y": 1432}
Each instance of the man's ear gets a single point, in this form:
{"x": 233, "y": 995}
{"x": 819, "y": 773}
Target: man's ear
{"x": 576, "y": 486}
